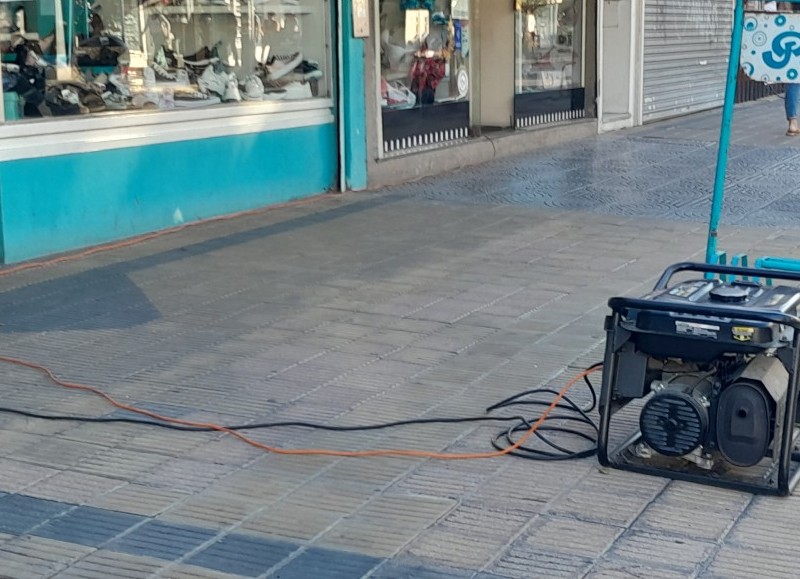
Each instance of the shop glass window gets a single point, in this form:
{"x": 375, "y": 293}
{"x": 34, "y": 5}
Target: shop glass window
{"x": 549, "y": 45}
{"x": 65, "y": 58}
{"x": 424, "y": 56}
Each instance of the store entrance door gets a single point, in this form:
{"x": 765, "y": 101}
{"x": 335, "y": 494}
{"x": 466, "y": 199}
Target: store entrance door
{"x": 496, "y": 32}
{"x": 619, "y": 54}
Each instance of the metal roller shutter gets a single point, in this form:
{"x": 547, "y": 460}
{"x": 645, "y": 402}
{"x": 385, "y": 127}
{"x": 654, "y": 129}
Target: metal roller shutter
{"x": 686, "y": 46}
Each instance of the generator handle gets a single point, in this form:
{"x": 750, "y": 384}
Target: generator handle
{"x": 724, "y": 269}
{"x": 706, "y": 311}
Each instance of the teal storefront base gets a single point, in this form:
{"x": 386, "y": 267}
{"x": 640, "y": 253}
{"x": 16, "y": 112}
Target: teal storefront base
{"x": 66, "y": 202}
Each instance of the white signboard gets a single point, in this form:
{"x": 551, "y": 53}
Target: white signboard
{"x": 771, "y": 47}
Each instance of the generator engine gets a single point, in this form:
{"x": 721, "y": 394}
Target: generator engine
{"x": 705, "y": 369}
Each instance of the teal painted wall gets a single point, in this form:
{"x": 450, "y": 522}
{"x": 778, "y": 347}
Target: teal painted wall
{"x": 353, "y": 110}
{"x": 66, "y": 202}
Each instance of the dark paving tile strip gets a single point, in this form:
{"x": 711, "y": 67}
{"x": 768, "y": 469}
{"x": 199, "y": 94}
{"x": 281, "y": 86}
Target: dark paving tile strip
{"x": 87, "y": 526}
{"x": 20, "y": 514}
{"x": 141, "y": 536}
{"x": 326, "y": 563}
{"x": 243, "y": 555}
{"x": 161, "y": 540}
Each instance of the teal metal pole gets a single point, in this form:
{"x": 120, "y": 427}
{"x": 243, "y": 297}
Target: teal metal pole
{"x": 725, "y": 131}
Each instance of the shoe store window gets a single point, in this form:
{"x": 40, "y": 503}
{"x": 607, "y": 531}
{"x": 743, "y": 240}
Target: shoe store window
{"x": 63, "y": 58}
{"x": 424, "y": 72}
{"x": 549, "y": 61}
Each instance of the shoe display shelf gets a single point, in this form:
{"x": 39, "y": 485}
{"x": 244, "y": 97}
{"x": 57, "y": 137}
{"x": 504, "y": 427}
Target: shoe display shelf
{"x": 9, "y": 36}
{"x": 243, "y": 7}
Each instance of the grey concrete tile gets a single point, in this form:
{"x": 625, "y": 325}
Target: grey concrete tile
{"x": 38, "y": 557}
{"x": 102, "y": 564}
{"x": 684, "y": 555}
{"x": 16, "y": 476}
{"x": 570, "y": 537}
{"x": 740, "y": 562}
{"x": 521, "y": 562}
{"x": 56, "y": 452}
{"x": 73, "y": 487}
{"x": 121, "y": 464}
{"x": 210, "y": 511}
{"x": 694, "y": 511}
{"x": 184, "y": 475}
{"x": 139, "y": 499}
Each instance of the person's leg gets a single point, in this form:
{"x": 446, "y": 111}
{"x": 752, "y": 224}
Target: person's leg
{"x": 792, "y": 106}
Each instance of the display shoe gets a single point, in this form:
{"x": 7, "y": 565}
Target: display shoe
{"x": 69, "y": 95}
{"x": 149, "y": 76}
{"x": 253, "y": 88}
{"x": 61, "y": 102}
{"x": 115, "y": 101}
{"x": 213, "y": 82}
{"x": 93, "y": 102}
{"x": 28, "y": 53}
{"x": 394, "y": 53}
{"x": 298, "y": 90}
{"x": 274, "y": 94}
{"x": 160, "y": 57}
{"x": 308, "y": 70}
{"x": 179, "y": 77}
{"x": 145, "y": 100}
{"x": 194, "y": 99}
{"x": 162, "y": 74}
{"x": 196, "y": 62}
{"x": 204, "y": 54}
{"x": 279, "y": 66}
{"x": 232, "y": 90}
{"x": 100, "y": 82}
{"x": 119, "y": 83}
{"x": 182, "y": 78}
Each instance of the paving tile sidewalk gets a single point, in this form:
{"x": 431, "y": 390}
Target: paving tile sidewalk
{"x": 434, "y": 298}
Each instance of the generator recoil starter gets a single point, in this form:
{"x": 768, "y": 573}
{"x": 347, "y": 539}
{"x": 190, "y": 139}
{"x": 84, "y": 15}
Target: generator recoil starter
{"x": 700, "y": 380}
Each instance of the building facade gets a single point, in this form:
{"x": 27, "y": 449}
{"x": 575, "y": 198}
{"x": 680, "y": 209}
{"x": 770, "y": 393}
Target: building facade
{"x": 121, "y": 118}
{"x": 455, "y": 82}
{"x": 661, "y": 59}
{"x": 126, "y": 117}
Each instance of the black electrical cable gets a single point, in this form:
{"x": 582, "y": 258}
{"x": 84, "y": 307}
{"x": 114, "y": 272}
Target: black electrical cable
{"x": 523, "y": 424}
{"x": 505, "y": 439}
{"x": 256, "y": 426}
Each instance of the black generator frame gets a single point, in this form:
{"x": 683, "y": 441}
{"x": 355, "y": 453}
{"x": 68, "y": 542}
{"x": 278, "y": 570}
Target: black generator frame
{"x": 788, "y": 462}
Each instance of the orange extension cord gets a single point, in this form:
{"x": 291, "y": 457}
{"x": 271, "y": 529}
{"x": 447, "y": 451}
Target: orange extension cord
{"x": 220, "y": 428}
{"x": 304, "y": 451}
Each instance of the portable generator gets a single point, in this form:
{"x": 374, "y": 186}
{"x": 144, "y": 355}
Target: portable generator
{"x": 700, "y": 379}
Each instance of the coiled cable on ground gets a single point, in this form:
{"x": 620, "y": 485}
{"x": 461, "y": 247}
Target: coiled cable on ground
{"x": 515, "y": 437}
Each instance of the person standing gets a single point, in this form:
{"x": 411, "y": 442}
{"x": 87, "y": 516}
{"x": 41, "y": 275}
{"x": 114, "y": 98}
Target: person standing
{"x": 792, "y": 105}
{"x": 791, "y": 101}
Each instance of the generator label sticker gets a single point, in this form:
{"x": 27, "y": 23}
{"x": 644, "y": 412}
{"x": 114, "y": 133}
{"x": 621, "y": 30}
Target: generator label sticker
{"x": 742, "y": 333}
{"x": 696, "y": 329}
{"x": 685, "y": 290}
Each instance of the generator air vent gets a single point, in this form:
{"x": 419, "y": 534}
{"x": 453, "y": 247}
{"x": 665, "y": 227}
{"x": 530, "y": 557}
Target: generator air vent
{"x": 673, "y": 423}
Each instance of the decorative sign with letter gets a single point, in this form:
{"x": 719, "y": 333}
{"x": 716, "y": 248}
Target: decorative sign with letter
{"x": 771, "y": 47}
